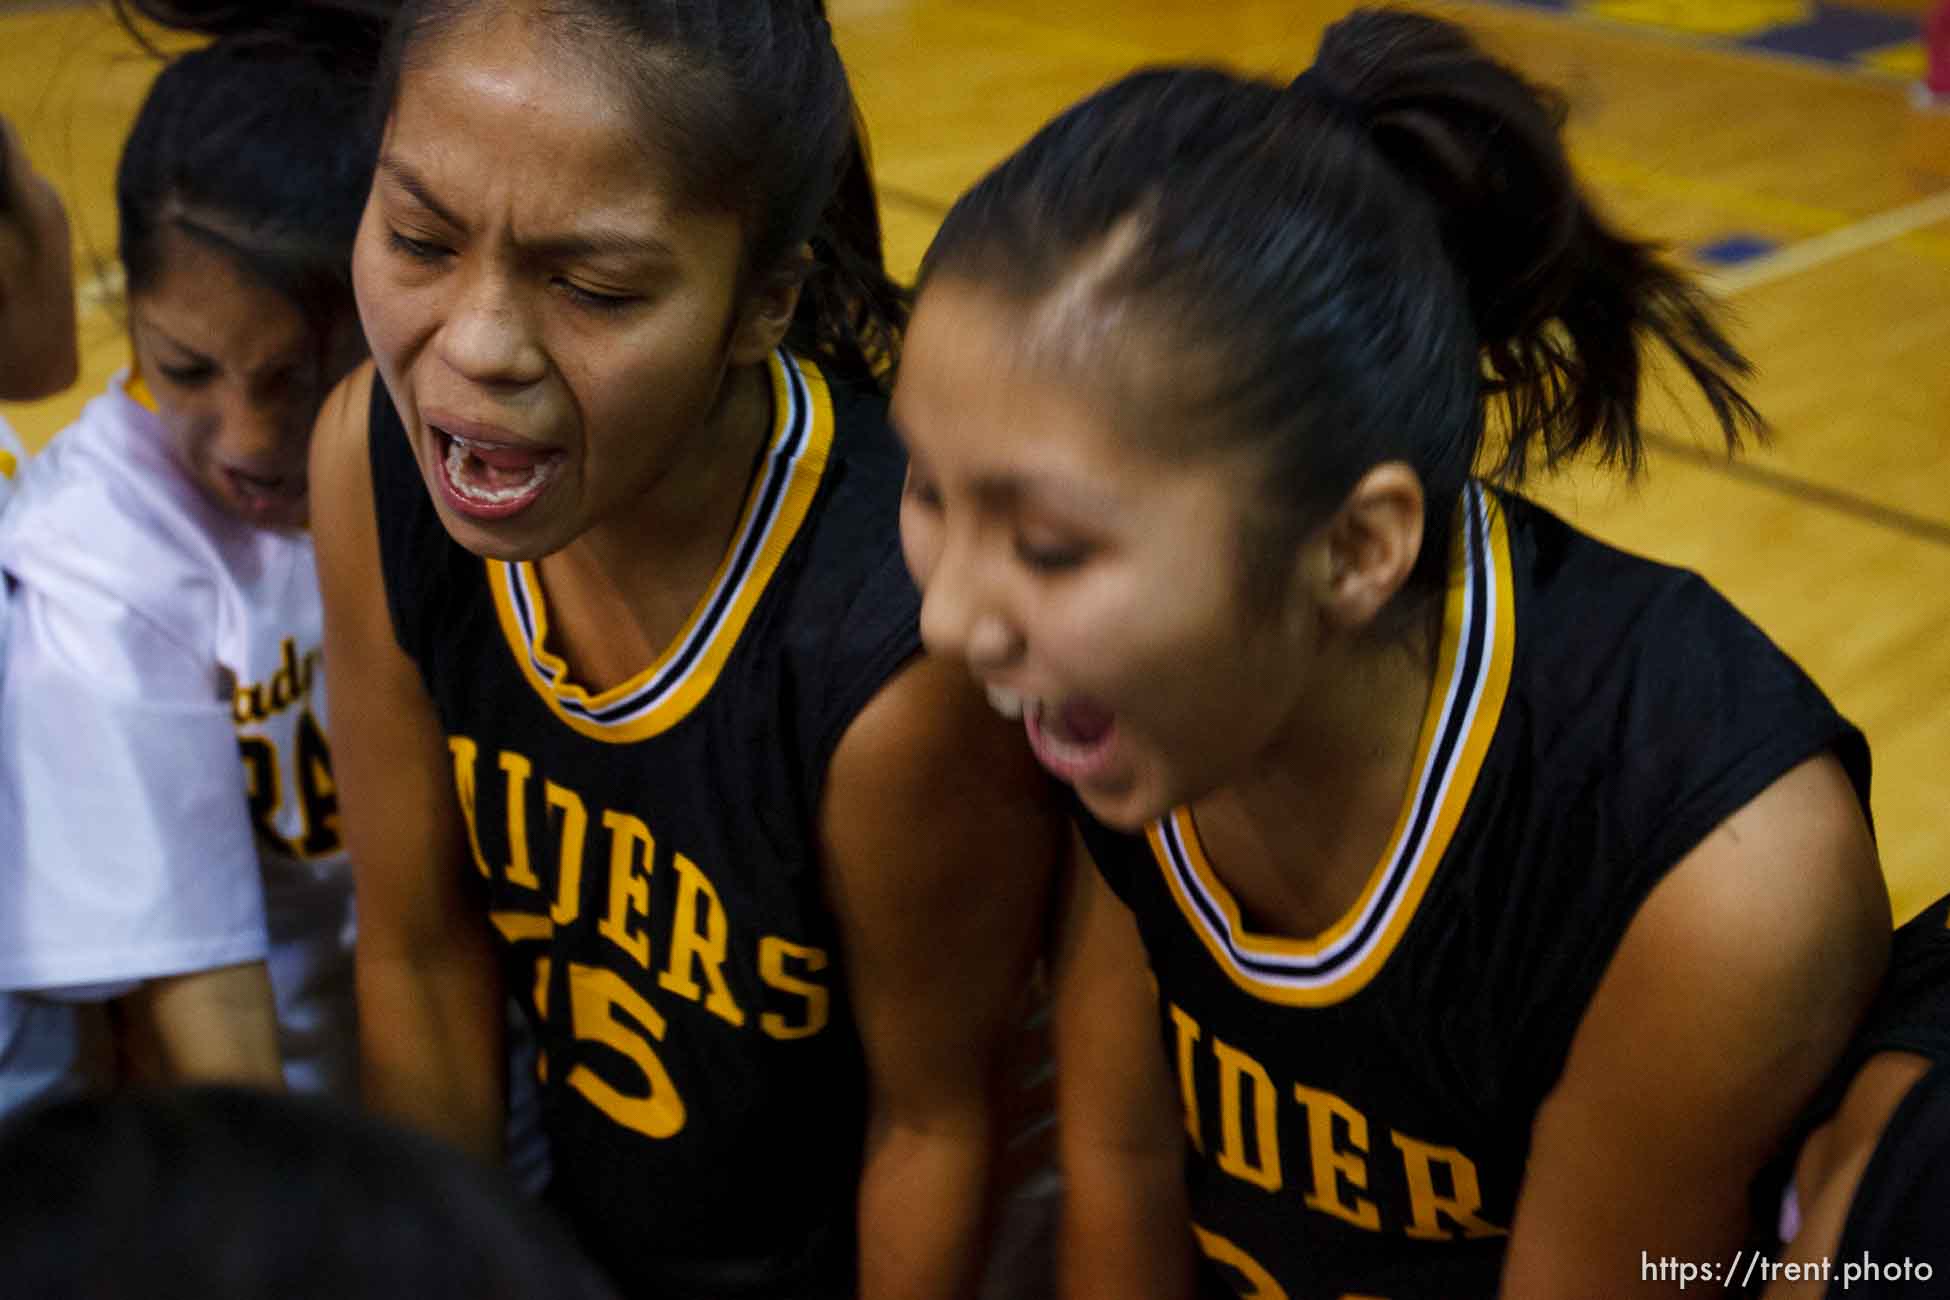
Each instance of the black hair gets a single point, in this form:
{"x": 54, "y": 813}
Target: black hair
{"x": 752, "y": 104}
{"x": 258, "y": 144}
{"x": 221, "y": 1193}
{"x": 1351, "y": 269}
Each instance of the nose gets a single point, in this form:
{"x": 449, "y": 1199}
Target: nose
{"x": 489, "y": 337}
{"x": 964, "y": 609}
{"x": 261, "y": 426}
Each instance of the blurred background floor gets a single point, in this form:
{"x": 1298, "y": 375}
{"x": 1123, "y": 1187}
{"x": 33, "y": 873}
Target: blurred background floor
{"x": 1770, "y": 142}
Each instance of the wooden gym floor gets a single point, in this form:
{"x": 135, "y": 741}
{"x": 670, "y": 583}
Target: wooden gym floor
{"x": 1768, "y": 140}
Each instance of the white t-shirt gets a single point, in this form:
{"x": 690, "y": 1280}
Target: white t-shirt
{"x": 154, "y": 642}
{"x": 38, "y": 1047}
{"x": 12, "y": 457}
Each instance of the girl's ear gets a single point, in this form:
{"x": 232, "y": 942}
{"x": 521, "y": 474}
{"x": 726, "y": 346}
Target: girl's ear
{"x": 1370, "y": 546}
{"x": 767, "y": 314}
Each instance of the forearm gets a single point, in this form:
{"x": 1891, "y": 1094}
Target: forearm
{"x": 430, "y": 1046}
{"x": 1126, "y": 1234}
{"x": 923, "y": 1212}
{"x": 209, "y": 1026}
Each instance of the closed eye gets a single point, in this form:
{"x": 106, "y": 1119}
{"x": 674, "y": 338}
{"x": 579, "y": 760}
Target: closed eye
{"x": 189, "y": 376}
{"x": 419, "y": 250}
{"x": 596, "y": 299}
{"x": 1052, "y": 558}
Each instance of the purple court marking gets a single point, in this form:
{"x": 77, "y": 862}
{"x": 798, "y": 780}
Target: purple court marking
{"x": 1838, "y": 34}
{"x": 1734, "y": 249}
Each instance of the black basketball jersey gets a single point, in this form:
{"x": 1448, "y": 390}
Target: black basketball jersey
{"x": 648, "y": 855}
{"x": 1359, "y": 1102}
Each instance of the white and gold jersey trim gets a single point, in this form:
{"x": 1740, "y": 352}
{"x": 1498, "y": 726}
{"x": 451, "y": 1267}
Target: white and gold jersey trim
{"x": 1472, "y": 678}
{"x": 663, "y": 694}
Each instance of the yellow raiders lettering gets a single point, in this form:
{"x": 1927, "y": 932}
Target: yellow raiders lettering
{"x": 1258, "y": 1125}
{"x": 465, "y": 751}
{"x": 1237, "y": 1073}
{"x": 516, "y": 769}
{"x": 1430, "y": 1207}
{"x": 631, "y": 851}
{"x": 566, "y": 805}
{"x": 699, "y": 935}
{"x": 774, "y": 956}
{"x": 1186, "y": 1031}
{"x": 1338, "y": 1170}
{"x": 616, "y": 875}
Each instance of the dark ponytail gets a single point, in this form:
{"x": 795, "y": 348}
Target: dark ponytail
{"x": 1348, "y": 270}
{"x": 750, "y": 104}
{"x": 1561, "y": 301}
{"x": 258, "y": 144}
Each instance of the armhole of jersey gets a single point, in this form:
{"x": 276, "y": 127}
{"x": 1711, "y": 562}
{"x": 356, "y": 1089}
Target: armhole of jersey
{"x": 1110, "y": 852}
{"x": 1732, "y": 789}
{"x": 888, "y": 643}
{"x": 881, "y": 628}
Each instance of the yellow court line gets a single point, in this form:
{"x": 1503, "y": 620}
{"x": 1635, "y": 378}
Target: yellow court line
{"x": 1826, "y": 227}
{"x": 1832, "y": 246}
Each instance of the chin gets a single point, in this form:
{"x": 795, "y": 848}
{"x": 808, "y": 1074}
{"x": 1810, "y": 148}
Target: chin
{"x": 1129, "y": 810}
{"x": 508, "y": 542}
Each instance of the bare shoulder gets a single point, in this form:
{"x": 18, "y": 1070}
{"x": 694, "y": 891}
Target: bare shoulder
{"x": 1735, "y": 989}
{"x": 927, "y": 760}
{"x": 338, "y": 442}
{"x": 942, "y": 839}
{"x": 1787, "y": 892}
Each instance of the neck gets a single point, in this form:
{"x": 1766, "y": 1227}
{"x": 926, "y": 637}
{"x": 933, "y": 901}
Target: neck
{"x": 688, "y": 514}
{"x": 621, "y": 592}
{"x": 1298, "y": 839}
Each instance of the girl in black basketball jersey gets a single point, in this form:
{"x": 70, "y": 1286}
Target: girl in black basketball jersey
{"x": 1498, "y": 897}
{"x": 631, "y": 717}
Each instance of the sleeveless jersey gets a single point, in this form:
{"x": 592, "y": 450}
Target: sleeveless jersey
{"x": 648, "y": 855}
{"x": 1359, "y": 1102}
{"x": 155, "y": 640}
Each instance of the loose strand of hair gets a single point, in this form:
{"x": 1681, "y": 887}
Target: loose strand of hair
{"x": 852, "y": 313}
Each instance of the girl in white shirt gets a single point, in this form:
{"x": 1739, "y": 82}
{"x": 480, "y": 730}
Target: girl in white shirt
{"x": 168, "y": 820}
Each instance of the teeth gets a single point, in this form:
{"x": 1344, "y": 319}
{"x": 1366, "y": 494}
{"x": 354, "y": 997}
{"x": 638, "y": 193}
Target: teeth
{"x": 1007, "y": 702}
{"x": 457, "y": 455}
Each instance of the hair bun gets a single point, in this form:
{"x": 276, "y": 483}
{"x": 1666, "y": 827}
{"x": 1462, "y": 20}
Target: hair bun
{"x": 1317, "y": 88}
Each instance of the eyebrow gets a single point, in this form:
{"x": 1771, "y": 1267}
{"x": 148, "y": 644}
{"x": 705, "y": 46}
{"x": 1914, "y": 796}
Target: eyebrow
{"x": 198, "y": 357}
{"x": 1071, "y": 498}
{"x": 409, "y": 180}
{"x": 593, "y": 241}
